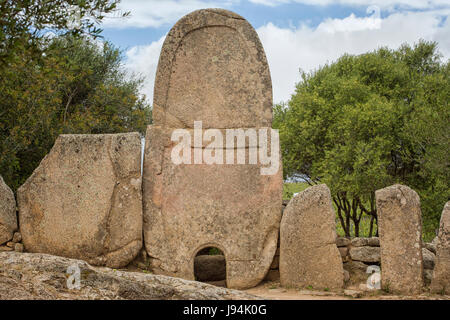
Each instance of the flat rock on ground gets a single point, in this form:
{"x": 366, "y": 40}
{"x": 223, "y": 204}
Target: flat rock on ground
{"x": 42, "y": 276}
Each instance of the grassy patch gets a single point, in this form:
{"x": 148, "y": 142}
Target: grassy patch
{"x": 290, "y": 188}
{"x": 364, "y": 227}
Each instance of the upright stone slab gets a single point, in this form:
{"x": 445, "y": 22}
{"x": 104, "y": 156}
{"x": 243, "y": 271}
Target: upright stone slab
{"x": 441, "y": 275}
{"x": 308, "y": 252}
{"x": 84, "y": 201}
{"x": 8, "y": 219}
{"x": 212, "y": 69}
{"x": 400, "y": 230}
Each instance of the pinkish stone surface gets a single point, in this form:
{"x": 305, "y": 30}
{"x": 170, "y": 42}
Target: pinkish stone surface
{"x": 308, "y": 252}
{"x": 400, "y": 229}
{"x": 212, "y": 69}
{"x": 84, "y": 201}
{"x": 441, "y": 274}
{"x": 8, "y": 219}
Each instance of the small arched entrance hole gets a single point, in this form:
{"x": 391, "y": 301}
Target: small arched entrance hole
{"x": 210, "y": 267}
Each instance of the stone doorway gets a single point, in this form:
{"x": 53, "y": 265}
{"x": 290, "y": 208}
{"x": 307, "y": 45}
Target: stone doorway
{"x": 210, "y": 266}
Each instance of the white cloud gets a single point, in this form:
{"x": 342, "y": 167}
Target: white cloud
{"x": 349, "y": 24}
{"x": 384, "y": 4}
{"x": 289, "y": 49}
{"x": 143, "y": 61}
{"x": 155, "y": 13}
{"x": 308, "y": 48}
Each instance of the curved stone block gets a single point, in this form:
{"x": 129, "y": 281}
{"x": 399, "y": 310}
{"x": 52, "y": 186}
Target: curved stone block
{"x": 212, "y": 69}
{"x": 84, "y": 201}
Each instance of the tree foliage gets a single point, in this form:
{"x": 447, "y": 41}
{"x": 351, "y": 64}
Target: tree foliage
{"x": 366, "y": 122}
{"x": 77, "y": 87}
{"x": 24, "y": 24}
{"x": 56, "y": 77}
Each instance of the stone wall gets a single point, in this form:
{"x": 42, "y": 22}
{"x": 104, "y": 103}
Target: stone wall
{"x": 357, "y": 255}
{"x": 15, "y": 244}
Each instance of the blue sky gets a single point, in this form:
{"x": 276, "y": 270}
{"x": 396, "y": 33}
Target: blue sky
{"x": 296, "y": 34}
{"x": 284, "y": 16}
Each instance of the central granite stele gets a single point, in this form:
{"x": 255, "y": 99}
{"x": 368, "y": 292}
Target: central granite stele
{"x": 212, "y": 69}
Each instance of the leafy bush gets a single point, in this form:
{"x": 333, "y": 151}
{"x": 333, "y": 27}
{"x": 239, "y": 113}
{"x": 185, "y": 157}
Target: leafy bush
{"x": 366, "y": 122}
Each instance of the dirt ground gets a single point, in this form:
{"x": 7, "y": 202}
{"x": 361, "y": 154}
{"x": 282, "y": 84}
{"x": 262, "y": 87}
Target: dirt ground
{"x": 273, "y": 290}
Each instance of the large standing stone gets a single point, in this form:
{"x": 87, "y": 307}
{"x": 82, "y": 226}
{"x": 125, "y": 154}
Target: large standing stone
{"x": 84, "y": 201}
{"x": 308, "y": 252}
{"x": 8, "y": 219}
{"x": 400, "y": 230}
{"x": 212, "y": 69}
{"x": 441, "y": 274}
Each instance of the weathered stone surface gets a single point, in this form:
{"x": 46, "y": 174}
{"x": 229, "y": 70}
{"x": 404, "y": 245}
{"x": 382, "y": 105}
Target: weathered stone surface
{"x": 431, "y": 247}
{"x": 428, "y": 259}
{"x": 8, "y": 218}
{"x": 210, "y": 268}
{"x": 42, "y": 276}
{"x": 400, "y": 231}
{"x": 17, "y": 237}
{"x": 427, "y": 276}
{"x": 309, "y": 255}
{"x": 353, "y": 293}
{"x": 373, "y": 241}
{"x": 360, "y": 242}
{"x": 346, "y": 276}
{"x": 342, "y": 242}
{"x": 212, "y": 69}
{"x": 365, "y": 254}
{"x": 275, "y": 263}
{"x": 273, "y": 275}
{"x": 441, "y": 274}
{"x": 18, "y": 247}
{"x": 435, "y": 241}
{"x": 343, "y": 251}
{"x": 84, "y": 200}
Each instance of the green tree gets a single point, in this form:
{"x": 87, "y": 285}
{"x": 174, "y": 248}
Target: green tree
{"x": 25, "y": 24}
{"x": 78, "y": 86}
{"x": 368, "y": 121}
